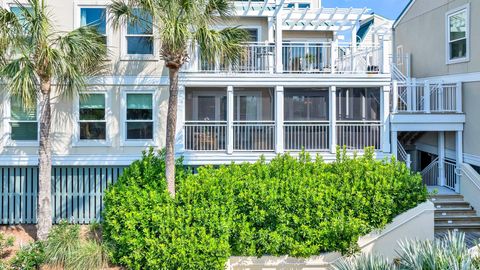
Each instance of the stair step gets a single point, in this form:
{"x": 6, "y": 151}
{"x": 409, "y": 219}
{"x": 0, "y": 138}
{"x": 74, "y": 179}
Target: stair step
{"x": 447, "y": 199}
{"x": 451, "y": 204}
{"x": 454, "y": 212}
{"x": 457, "y": 220}
{"x": 446, "y": 196}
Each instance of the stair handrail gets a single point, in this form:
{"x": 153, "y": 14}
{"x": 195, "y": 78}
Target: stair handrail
{"x": 470, "y": 174}
{"x": 430, "y": 166}
{"x": 403, "y": 154}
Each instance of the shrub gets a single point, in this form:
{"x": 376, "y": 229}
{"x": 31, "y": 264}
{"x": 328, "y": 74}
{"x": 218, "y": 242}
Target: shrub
{"x": 5, "y": 242}
{"x": 290, "y": 206}
{"x": 30, "y": 257}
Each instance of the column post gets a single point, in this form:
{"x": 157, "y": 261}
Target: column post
{"x": 180, "y": 131}
{"x": 409, "y": 95}
{"x": 413, "y": 95}
{"x": 333, "y": 118}
{"x": 441, "y": 158}
{"x": 385, "y": 118}
{"x": 458, "y": 94}
{"x": 426, "y": 96}
{"x": 459, "y": 159}
{"x": 394, "y": 144}
{"x": 333, "y": 55}
{"x": 278, "y": 43}
{"x": 230, "y": 120}
{"x": 279, "y": 118}
{"x": 395, "y": 96}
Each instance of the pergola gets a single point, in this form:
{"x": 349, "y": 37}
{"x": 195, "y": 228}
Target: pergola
{"x": 322, "y": 19}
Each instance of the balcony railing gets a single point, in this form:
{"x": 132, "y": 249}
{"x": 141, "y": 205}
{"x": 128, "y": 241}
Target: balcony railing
{"x": 414, "y": 97}
{"x": 307, "y": 135}
{"x": 256, "y": 58}
{"x": 205, "y": 135}
{"x": 296, "y": 57}
{"x": 297, "y": 135}
{"x": 254, "y": 135}
{"x": 359, "y": 134}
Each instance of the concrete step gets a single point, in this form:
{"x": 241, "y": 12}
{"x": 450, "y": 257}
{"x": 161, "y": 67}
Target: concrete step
{"x": 440, "y": 198}
{"x": 463, "y": 227}
{"x": 471, "y": 219}
{"x": 451, "y": 204}
{"x": 455, "y": 211}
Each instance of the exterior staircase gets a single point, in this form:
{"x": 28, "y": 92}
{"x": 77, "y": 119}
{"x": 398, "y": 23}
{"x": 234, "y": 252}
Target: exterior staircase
{"x": 453, "y": 213}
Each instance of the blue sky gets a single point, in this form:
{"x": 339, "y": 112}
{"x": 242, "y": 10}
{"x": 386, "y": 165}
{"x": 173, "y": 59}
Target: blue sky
{"x": 387, "y": 8}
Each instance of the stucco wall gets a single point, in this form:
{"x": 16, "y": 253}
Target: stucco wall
{"x": 422, "y": 34}
{"x": 470, "y": 186}
{"x": 415, "y": 224}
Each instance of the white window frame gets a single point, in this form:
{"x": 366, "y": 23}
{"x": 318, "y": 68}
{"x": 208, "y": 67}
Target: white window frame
{"x": 123, "y": 124}
{"x": 144, "y": 57}
{"x": 450, "y": 13}
{"x": 77, "y": 142}
{"x": 215, "y": 94}
{"x": 7, "y": 128}
{"x": 93, "y": 4}
{"x": 236, "y": 106}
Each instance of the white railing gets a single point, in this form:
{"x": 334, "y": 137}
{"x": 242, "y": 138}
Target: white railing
{"x": 300, "y": 135}
{"x": 255, "y": 58}
{"x": 411, "y": 96}
{"x": 295, "y": 57}
{"x": 403, "y": 155}
{"x": 450, "y": 174}
{"x": 205, "y": 135}
{"x": 254, "y": 135}
{"x": 364, "y": 59}
{"x": 359, "y": 134}
{"x": 400, "y": 67}
{"x": 430, "y": 174}
{"x": 306, "y": 57}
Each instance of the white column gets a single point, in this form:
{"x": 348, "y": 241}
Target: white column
{"x": 395, "y": 144}
{"x": 409, "y": 95}
{"x": 230, "y": 119}
{"x": 441, "y": 158}
{"x": 381, "y": 55}
{"x": 333, "y": 55}
{"x": 180, "y": 131}
{"x": 395, "y": 96}
{"x": 385, "y": 118}
{"x": 459, "y": 158}
{"x": 333, "y": 118}
{"x": 279, "y": 115}
{"x": 458, "y": 94}
{"x": 271, "y": 32}
{"x": 414, "y": 94}
{"x": 426, "y": 96}
{"x": 278, "y": 43}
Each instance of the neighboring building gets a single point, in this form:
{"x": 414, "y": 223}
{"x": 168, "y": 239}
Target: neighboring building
{"x": 438, "y": 73}
{"x": 297, "y": 87}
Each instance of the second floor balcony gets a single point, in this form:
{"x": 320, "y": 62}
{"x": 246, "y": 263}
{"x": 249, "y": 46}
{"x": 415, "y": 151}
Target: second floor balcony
{"x": 318, "y": 58}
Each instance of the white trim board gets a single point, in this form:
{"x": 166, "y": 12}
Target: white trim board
{"x": 404, "y": 12}
{"x": 453, "y": 78}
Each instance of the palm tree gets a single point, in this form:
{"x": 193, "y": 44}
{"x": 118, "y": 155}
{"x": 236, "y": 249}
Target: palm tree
{"x": 180, "y": 24}
{"x": 34, "y": 60}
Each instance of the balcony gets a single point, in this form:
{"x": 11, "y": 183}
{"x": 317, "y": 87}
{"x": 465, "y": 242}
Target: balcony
{"x": 320, "y": 58}
{"x": 253, "y": 121}
{"x": 426, "y": 106}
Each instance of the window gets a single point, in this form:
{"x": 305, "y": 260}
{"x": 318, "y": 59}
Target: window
{"x": 306, "y": 104}
{"x": 139, "y": 35}
{"x": 206, "y": 104}
{"x": 358, "y": 104}
{"x": 94, "y": 17}
{"x": 92, "y": 117}
{"x": 139, "y": 120}
{"x": 458, "y": 35}
{"x": 23, "y": 121}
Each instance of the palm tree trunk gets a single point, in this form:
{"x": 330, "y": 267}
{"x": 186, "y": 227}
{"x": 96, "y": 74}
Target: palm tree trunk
{"x": 44, "y": 164}
{"x": 171, "y": 130}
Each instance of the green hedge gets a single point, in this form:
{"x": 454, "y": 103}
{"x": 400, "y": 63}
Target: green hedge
{"x": 289, "y": 206}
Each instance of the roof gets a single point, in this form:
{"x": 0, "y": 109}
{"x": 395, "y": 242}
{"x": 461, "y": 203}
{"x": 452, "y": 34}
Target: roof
{"x": 404, "y": 11}
{"x": 363, "y": 29}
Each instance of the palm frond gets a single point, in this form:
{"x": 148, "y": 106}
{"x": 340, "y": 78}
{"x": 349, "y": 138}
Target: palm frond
{"x": 226, "y": 44}
{"x": 21, "y": 79}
